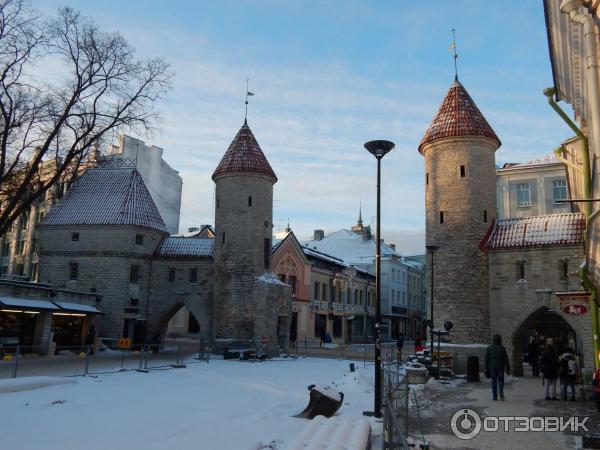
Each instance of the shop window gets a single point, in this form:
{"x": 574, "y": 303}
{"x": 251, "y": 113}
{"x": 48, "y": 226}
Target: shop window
{"x": 73, "y": 271}
{"x": 193, "y": 275}
{"x": 337, "y": 326}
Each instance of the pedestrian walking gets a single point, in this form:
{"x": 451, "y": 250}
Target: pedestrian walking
{"x": 534, "y": 358}
{"x": 496, "y": 363}
{"x": 549, "y": 367}
{"x": 399, "y": 345}
{"x": 568, "y": 373}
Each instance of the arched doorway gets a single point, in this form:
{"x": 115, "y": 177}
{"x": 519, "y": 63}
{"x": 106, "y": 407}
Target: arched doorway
{"x": 546, "y": 327}
{"x": 181, "y": 322}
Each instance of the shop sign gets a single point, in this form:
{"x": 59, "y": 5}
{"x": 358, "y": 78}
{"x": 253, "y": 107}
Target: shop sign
{"x": 124, "y": 343}
{"x": 575, "y": 303}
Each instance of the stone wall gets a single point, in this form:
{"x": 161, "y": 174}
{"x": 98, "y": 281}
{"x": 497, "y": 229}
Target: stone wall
{"x": 515, "y": 302}
{"x": 468, "y": 204}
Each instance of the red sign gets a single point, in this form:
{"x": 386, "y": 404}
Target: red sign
{"x": 574, "y": 303}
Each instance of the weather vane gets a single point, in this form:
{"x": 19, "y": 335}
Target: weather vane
{"x": 453, "y": 47}
{"x": 248, "y": 94}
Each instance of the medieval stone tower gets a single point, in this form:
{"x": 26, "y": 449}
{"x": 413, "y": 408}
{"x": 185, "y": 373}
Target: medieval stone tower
{"x": 460, "y": 199}
{"x": 244, "y": 183}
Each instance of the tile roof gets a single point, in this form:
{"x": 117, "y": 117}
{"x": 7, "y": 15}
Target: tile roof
{"x": 539, "y": 231}
{"x": 244, "y": 155}
{"x": 458, "y": 116}
{"x": 107, "y": 197}
{"x": 185, "y": 247}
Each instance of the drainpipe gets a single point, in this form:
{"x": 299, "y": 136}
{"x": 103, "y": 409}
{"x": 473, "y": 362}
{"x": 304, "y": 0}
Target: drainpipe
{"x": 587, "y": 209}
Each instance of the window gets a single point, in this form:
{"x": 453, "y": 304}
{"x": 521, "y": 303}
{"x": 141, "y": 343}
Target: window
{"x": 523, "y": 194}
{"x": 324, "y": 292}
{"x": 267, "y": 252}
{"x": 20, "y": 270}
{"x": 73, "y": 271}
{"x": 563, "y": 267}
{"x": 356, "y": 296}
{"x": 427, "y": 179}
{"x": 6, "y": 249}
{"x": 223, "y": 238}
{"x": 217, "y": 203}
{"x": 134, "y": 273}
{"x": 193, "y": 275}
{"x": 559, "y": 189}
{"x": 74, "y": 236}
{"x": 20, "y": 247}
{"x": 250, "y": 201}
{"x": 485, "y": 215}
{"x": 171, "y": 275}
{"x": 292, "y": 282}
{"x": 139, "y": 239}
{"x": 4, "y": 270}
{"x": 441, "y": 216}
{"x": 316, "y": 291}
{"x": 462, "y": 171}
{"x": 360, "y": 298}
{"x": 520, "y": 270}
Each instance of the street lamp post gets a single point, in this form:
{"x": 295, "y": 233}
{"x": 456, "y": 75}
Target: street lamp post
{"x": 378, "y": 149}
{"x": 431, "y": 249}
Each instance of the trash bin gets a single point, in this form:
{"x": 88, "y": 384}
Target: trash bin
{"x": 473, "y": 368}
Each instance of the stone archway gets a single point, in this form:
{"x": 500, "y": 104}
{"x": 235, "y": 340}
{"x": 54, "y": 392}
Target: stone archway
{"x": 544, "y": 325}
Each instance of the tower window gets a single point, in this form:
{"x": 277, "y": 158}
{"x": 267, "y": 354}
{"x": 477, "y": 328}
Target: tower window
{"x": 139, "y": 239}
{"x": 520, "y": 270}
{"x": 134, "y": 273}
{"x": 217, "y": 203}
{"x": 441, "y": 216}
{"x": 73, "y": 271}
{"x": 462, "y": 171}
{"x": 223, "y": 238}
{"x": 193, "y": 275}
{"x": 249, "y": 201}
{"x": 485, "y": 215}
{"x": 267, "y": 254}
{"x": 427, "y": 179}
{"x": 74, "y": 236}
{"x": 171, "y": 275}
{"x": 564, "y": 268}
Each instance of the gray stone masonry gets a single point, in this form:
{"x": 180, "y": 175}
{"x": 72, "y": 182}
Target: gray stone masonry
{"x": 468, "y": 205}
{"x": 514, "y": 303}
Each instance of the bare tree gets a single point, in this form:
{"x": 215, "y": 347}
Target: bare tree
{"x": 65, "y": 87}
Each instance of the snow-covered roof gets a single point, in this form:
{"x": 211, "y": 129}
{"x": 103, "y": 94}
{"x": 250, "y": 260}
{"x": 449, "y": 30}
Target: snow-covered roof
{"x": 107, "y": 196}
{"x": 185, "y": 247}
{"x": 324, "y": 256}
{"x": 539, "y": 231}
{"x": 545, "y": 160}
{"x": 352, "y": 248}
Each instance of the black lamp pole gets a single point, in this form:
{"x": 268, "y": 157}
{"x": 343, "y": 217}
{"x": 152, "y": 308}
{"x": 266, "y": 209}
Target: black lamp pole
{"x": 431, "y": 249}
{"x": 378, "y": 149}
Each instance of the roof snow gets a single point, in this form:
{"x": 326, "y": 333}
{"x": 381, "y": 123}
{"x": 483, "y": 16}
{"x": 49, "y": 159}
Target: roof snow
{"x": 539, "y": 231}
{"x": 350, "y": 247}
{"x": 271, "y": 278}
{"x": 185, "y": 247}
{"x": 107, "y": 197}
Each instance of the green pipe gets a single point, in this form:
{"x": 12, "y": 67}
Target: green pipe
{"x": 587, "y": 209}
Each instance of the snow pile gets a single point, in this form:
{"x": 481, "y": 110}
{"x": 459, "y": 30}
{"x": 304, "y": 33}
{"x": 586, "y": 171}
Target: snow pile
{"x": 271, "y": 278}
{"x": 26, "y": 384}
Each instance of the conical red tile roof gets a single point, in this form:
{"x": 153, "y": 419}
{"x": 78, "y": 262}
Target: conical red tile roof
{"x": 458, "y": 116}
{"x": 244, "y": 156}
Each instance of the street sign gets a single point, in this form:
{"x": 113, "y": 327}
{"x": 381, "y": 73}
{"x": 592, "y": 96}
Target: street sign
{"x": 124, "y": 343}
{"x": 575, "y": 303}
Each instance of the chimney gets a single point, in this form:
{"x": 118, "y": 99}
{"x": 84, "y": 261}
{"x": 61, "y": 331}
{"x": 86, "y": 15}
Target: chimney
{"x": 318, "y": 235}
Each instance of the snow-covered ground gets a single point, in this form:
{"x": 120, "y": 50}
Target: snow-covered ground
{"x": 224, "y": 405}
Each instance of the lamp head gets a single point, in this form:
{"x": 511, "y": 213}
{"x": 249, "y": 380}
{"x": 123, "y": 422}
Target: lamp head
{"x": 431, "y": 248}
{"x": 379, "y": 148}
{"x": 566, "y": 6}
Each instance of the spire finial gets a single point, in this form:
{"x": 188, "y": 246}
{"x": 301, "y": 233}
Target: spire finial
{"x": 248, "y": 94}
{"x": 360, "y": 213}
{"x": 453, "y": 47}
{"x": 288, "y": 229}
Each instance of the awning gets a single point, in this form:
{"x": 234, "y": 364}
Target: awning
{"x": 77, "y": 307}
{"x": 11, "y": 302}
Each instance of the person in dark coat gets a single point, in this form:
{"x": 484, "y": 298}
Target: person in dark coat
{"x": 534, "y": 358}
{"x": 496, "y": 363}
{"x": 568, "y": 374}
{"x": 156, "y": 340}
{"x": 399, "y": 345}
{"x": 550, "y": 367}
{"x": 90, "y": 338}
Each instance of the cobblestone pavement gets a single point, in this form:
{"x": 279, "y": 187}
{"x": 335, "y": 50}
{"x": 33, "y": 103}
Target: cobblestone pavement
{"x": 524, "y": 397}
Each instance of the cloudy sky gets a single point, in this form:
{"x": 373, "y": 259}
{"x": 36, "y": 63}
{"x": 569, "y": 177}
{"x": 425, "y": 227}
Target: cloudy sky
{"x": 327, "y": 77}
